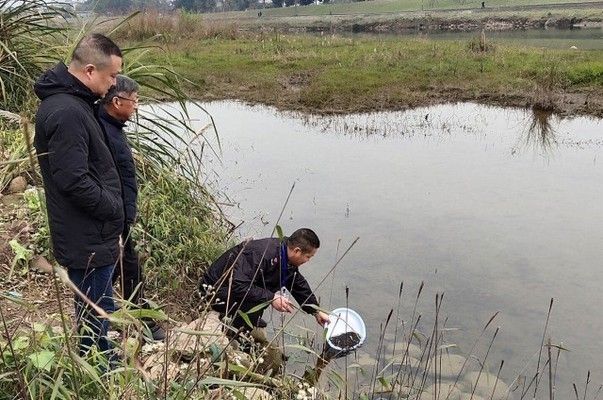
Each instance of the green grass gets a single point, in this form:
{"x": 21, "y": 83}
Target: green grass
{"x": 333, "y": 74}
{"x": 387, "y": 6}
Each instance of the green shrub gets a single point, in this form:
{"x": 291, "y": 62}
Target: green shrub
{"x": 178, "y": 232}
{"x": 587, "y": 74}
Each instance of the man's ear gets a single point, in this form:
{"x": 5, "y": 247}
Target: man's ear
{"x": 89, "y": 68}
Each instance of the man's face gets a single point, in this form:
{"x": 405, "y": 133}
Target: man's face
{"x": 124, "y": 105}
{"x": 101, "y": 79}
{"x": 298, "y": 257}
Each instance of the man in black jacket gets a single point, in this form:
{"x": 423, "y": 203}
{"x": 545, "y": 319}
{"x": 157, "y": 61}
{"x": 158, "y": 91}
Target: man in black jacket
{"x": 118, "y": 106}
{"x": 256, "y": 272}
{"x": 82, "y": 186}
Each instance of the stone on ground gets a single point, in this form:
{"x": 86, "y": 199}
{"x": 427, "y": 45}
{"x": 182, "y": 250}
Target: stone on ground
{"x": 196, "y": 337}
{"x": 17, "y": 185}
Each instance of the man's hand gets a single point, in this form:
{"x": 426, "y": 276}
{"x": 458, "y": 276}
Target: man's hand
{"x": 322, "y": 318}
{"x": 280, "y": 303}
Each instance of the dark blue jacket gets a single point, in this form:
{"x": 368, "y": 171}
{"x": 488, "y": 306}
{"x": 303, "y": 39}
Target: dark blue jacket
{"x": 256, "y": 275}
{"x": 83, "y": 192}
{"x": 122, "y": 153}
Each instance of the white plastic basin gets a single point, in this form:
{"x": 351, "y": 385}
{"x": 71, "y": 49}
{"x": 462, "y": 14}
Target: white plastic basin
{"x": 344, "y": 320}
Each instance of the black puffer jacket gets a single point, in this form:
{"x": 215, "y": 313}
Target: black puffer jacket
{"x": 261, "y": 256}
{"x": 83, "y": 190}
{"x": 122, "y": 154}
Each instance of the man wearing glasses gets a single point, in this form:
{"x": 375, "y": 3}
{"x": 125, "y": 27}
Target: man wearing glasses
{"x": 119, "y": 105}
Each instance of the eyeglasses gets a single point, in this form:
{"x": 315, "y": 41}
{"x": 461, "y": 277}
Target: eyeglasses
{"x": 135, "y": 101}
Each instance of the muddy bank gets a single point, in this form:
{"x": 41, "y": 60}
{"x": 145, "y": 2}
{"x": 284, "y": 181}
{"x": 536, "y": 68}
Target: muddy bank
{"x": 565, "y": 105}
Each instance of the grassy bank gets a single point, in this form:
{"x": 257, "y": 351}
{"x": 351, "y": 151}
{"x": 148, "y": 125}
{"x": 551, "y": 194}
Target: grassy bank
{"x": 339, "y": 75}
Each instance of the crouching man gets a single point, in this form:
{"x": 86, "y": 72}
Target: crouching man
{"x": 254, "y": 273}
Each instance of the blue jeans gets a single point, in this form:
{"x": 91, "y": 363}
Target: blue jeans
{"x": 96, "y": 284}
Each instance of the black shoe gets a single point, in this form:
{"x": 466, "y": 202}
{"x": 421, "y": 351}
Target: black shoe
{"x": 153, "y": 332}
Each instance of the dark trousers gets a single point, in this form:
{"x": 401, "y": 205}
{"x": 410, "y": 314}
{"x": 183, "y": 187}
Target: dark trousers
{"x": 273, "y": 356}
{"x": 96, "y": 285}
{"x": 129, "y": 271}
{"x": 233, "y": 306}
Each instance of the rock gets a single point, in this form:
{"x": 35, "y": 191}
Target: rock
{"x": 40, "y": 263}
{"x": 155, "y": 365}
{"x": 425, "y": 395}
{"x": 402, "y": 391}
{"x": 197, "y": 337}
{"x": 443, "y": 389}
{"x": 485, "y": 385}
{"x": 239, "y": 358}
{"x": 17, "y": 185}
{"x": 364, "y": 360}
{"x": 152, "y": 348}
{"x": 467, "y": 396}
{"x": 248, "y": 393}
{"x": 450, "y": 367}
{"x": 412, "y": 362}
{"x": 157, "y": 372}
{"x": 256, "y": 394}
{"x": 413, "y": 350}
{"x": 11, "y": 199}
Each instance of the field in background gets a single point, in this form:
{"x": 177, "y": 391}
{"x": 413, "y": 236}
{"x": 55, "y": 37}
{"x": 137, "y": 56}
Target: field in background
{"x": 401, "y": 6}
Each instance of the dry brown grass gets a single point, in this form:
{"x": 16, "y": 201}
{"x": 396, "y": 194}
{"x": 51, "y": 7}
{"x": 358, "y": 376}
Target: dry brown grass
{"x": 172, "y": 27}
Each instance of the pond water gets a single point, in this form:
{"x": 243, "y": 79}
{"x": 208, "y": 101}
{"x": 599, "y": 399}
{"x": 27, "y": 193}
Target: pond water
{"x": 500, "y": 209}
{"x": 583, "y": 39}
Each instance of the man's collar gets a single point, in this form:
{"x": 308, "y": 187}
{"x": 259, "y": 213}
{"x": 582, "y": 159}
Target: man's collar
{"x": 102, "y": 112}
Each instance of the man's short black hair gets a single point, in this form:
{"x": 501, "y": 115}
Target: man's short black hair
{"x": 305, "y": 239}
{"x": 95, "y": 49}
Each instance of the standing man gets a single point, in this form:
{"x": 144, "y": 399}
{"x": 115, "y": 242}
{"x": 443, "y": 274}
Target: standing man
{"x": 254, "y": 273}
{"x": 82, "y": 186}
{"x": 118, "y": 106}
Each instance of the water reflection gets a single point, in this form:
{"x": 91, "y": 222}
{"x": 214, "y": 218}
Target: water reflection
{"x": 539, "y": 136}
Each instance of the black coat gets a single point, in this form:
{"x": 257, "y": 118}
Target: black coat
{"x": 122, "y": 154}
{"x": 83, "y": 191}
{"x": 263, "y": 256}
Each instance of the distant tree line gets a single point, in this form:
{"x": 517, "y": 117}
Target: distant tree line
{"x": 124, "y": 6}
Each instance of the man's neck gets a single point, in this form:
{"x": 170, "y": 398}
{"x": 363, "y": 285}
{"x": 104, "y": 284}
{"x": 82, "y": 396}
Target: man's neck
{"x": 111, "y": 111}
{"x": 77, "y": 74}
